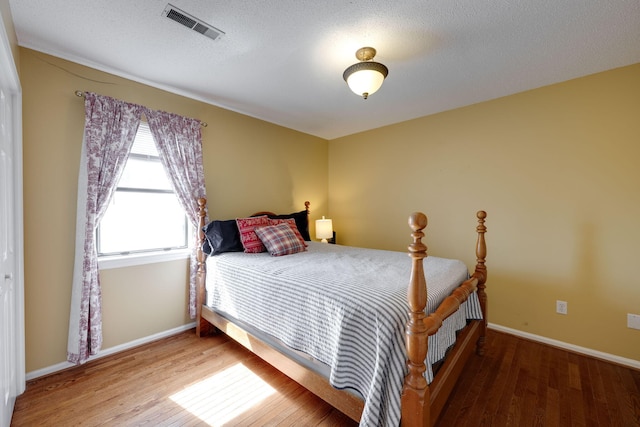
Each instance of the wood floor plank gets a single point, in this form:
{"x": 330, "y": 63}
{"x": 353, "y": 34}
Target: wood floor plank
{"x": 627, "y": 393}
{"x": 516, "y": 383}
{"x": 552, "y": 408}
{"x": 600, "y": 409}
{"x": 563, "y": 386}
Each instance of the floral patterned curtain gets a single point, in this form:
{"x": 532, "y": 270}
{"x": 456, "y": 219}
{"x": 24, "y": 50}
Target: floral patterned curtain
{"x": 179, "y": 143}
{"x": 109, "y": 131}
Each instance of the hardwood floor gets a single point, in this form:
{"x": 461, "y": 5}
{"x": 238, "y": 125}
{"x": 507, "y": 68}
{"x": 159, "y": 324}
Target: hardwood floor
{"x": 523, "y": 383}
{"x": 188, "y": 381}
{"x": 158, "y": 385}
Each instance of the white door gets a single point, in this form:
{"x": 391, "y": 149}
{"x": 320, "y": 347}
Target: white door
{"x": 7, "y": 291}
{"x": 12, "y": 375}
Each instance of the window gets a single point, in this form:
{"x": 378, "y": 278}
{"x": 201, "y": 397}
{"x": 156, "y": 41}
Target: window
{"x": 144, "y": 214}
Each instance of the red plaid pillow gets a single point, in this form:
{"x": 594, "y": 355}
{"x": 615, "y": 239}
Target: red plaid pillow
{"x": 280, "y": 239}
{"x": 250, "y": 241}
{"x": 292, "y": 225}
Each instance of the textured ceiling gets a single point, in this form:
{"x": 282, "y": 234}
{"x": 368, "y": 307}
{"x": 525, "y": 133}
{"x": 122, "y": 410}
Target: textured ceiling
{"x": 282, "y": 61}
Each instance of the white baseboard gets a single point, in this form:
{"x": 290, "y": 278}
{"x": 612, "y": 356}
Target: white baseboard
{"x": 555, "y": 343}
{"x": 109, "y": 351}
{"x": 577, "y": 349}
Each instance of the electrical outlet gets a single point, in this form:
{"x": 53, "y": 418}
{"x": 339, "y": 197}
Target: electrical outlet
{"x": 561, "y": 307}
{"x": 633, "y": 321}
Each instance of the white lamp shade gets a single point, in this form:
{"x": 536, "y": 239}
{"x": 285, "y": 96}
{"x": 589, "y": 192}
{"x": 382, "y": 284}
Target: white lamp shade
{"x": 365, "y": 81}
{"x": 324, "y": 228}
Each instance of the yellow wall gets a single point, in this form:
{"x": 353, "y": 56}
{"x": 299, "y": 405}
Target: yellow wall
{"x": 556, "y": 169}
{"x": 250, "y": 165}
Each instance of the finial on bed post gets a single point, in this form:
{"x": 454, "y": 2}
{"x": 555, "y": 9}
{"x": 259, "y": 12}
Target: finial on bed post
{"x": 481, "y": 274}
{"x": 415, "y": 391}
{"x": 201, "y": 326}
{"x": 306, "y": 206}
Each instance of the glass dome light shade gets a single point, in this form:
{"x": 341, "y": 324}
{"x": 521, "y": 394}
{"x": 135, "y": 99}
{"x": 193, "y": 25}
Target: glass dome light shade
{"x": 365, "y": 78}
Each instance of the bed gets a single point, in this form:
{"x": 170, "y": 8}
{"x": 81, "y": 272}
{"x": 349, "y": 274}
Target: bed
{"x": 374, "y": 355}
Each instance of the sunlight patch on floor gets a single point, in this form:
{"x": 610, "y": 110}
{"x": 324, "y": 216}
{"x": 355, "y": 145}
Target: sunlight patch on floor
{"x": 222, "y": 397}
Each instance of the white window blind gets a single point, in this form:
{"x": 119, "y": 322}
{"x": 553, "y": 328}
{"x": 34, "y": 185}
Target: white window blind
{"x": 144, "y": 214}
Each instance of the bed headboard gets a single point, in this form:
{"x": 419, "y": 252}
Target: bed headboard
{"x": 202, "y": 216}
{"x": 273, "y": 214}
{"x": 269, "y": 213}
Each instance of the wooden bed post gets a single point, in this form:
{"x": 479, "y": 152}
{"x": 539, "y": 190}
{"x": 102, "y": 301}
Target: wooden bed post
{"x": 202, "y": 326}
{"x": 415, "y": 391}
{"x": 306, "y": 207}
{"x": 481, "y": 274}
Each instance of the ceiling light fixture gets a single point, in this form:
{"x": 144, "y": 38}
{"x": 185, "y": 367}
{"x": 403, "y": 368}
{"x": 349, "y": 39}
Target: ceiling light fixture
{"x": 365, "y": 77}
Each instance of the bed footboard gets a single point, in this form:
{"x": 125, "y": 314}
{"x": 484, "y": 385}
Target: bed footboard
{"x": 422, "y": 403}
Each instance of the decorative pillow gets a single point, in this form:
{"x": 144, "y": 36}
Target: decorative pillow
{"x": 302, "y": 221}
{"x": 292, "y": 225}
{"x": 221, "y": 236}
{"x": 248, "y": 237}
{"x": 280, "y": 239}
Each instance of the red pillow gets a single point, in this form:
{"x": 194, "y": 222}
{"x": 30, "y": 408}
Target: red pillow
{"x": 292, "y": 225}
{"x": 250, "y": 241}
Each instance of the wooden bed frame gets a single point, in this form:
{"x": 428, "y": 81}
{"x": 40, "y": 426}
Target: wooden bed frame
{"x": 421, "y": 403}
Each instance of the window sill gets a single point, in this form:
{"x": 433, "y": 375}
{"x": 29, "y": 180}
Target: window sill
{"x": 118, "y": 261}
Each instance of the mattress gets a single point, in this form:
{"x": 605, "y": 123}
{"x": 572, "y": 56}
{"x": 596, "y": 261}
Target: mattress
{"x": 342, "y": 310}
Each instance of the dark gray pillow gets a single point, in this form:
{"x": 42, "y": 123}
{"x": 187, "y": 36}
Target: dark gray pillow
{"x": 302, "y": 222}
{"x": 221, "y": 236}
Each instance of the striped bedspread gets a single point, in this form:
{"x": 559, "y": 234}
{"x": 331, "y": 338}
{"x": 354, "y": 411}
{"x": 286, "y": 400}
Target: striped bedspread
{"x": 346, "y": 307}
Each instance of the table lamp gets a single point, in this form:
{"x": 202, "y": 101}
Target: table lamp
{"x": 324, "y": 229}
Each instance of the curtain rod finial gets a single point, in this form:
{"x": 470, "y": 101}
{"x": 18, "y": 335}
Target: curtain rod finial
{"x": 80, "y": 93}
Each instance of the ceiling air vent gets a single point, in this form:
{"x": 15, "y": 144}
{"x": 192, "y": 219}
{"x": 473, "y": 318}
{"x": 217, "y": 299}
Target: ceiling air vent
{"x": 189, "y": 21}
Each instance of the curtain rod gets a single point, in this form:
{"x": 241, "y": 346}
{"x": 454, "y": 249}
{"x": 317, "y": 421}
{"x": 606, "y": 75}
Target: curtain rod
{"x": 80, "y": 94}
